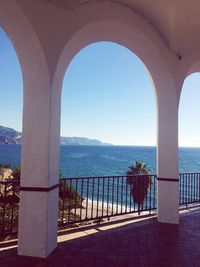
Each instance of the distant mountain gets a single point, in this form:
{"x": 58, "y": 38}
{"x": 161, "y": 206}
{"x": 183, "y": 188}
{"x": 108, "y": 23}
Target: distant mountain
{"x": 11, "y": 136}
{"x": 81, "y": 141}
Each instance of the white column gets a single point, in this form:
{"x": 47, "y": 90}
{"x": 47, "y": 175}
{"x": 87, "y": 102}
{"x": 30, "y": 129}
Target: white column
{"x": 40, "y": 169}
{"x": 167, "y": 159}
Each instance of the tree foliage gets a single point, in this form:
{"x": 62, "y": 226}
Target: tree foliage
{"x": 10, "y": 198}
{"x": 140, "y": 181}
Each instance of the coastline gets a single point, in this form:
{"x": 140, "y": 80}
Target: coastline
{"x": 93, "y": 209}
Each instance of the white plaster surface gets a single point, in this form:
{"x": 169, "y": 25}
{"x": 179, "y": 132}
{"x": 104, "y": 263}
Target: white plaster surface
{"x": 37, "y": 223}
{"x": 47, "y": 34}
{"x": 168, "y": 202}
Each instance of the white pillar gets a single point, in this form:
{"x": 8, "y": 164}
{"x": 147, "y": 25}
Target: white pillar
{"x": 167, "y": 158}
{"x": 40, "y": 169}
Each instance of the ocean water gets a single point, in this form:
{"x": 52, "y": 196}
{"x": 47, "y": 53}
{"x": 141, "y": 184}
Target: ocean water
{"x": 76, "y": 161}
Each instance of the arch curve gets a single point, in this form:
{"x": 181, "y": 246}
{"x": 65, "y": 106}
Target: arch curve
{"x": 152, "y": 53}
{"x": 193, "y": 68}
{"x": 35, "y": 73}
{"x": 24, "y": 39}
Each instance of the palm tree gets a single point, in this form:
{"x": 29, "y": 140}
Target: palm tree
{"x": 140, "y": 181}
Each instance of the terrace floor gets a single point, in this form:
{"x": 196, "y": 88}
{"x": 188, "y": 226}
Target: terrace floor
{"x": 123, "y": 243}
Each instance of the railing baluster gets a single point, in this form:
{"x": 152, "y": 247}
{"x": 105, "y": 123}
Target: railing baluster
{"x": 93, "y": 182}
{"x": 117, "y": 193}
{"x": 63, "y": 200}
{"x": 190, "y": 187}
{"x": 188, "y": 199}
{"x": 196, "y": 187}
{"x": 180, "y": 189}
{"x": 154, "y": 192}
{"x": 112, "y": 193}
{"x": 126, "y": 194}
{"x": 76, "y": 193}
{"x": 146, "y": 198}
{"x": 193, "y": 187}
{"x": 184, "y": 189}
{"x": 97, "y": 214}
{"x": 87, "y": 198}
{"x": 12, "y": 209}
{"x": 4, "y": 208}
{"x": 108, "y": 190}
{"x": 139, "y": 190}
{"x": 151, "y": 177}
{"x": 122, "y": 189}
{"x": 103, "y": 198}
{"x": 81, "y": 198}
{"x": 182, "y": 179}
{"x": 69, "y": 205}
{"x": 199, "y": 186}
{"x": 130, "y": 198}
{"x": 187, "y": 190}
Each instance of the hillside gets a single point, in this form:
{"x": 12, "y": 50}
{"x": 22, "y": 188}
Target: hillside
{"x": 81, "y": 141}
{"x": 11, "y": 136}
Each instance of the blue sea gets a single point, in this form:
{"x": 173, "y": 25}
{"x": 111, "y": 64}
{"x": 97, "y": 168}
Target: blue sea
{"x": 76, "y": 161}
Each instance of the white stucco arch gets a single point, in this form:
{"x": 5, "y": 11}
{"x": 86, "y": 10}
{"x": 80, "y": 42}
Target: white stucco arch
{"x": 32, "y": 61}
{"x": 154, "y": 55}
{"x": 189, "y": 98}
{"x": 115, "y": 23}
{"x": 194, "y": 68}
{"x": 23, "y": 37}
{"x": 45, "y": 48}
{"x": 190, "y": 66}
{"x": 37, "y": 169}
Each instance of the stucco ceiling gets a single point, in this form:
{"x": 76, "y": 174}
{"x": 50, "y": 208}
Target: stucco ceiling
{"x": 177, "y": 21}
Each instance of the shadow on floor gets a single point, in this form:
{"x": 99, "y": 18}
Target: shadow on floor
{"x": 136, "y": 244}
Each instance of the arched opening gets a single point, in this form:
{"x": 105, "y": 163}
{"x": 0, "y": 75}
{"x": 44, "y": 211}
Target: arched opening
{"x": 189, "y": 141}
{"x": 145, "y": 47}
{"x": 109, "y": 122}
{"x": 107, "y": 95}
{"x": 11, "y": 89}
{"x": 40, "y": 152}
{"x": 189, "y": 131}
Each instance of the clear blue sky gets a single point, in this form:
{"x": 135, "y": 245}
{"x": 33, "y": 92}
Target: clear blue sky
{"x": 107, "y": 95}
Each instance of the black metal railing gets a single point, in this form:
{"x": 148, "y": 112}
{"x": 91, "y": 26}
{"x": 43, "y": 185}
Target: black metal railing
{"x": 9, "y": 207}
{"x": 189, "y": 188}
{"x": 86, "y": 198}
{"x": 94, "y": 198}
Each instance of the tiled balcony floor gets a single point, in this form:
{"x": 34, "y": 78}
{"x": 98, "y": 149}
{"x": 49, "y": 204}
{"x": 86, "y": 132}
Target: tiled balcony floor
{"x": 145, "y": 243}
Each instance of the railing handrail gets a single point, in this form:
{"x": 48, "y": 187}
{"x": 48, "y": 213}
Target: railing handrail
{"x": 108, "y": 176}
{"x": 11, "y": 181}
{"x": 7, "y": 181}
